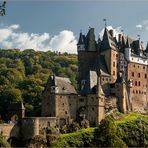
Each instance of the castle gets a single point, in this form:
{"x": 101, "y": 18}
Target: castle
{"x": 112, "y": 75}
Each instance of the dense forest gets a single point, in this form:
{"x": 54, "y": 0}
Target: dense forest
{"x": 23, "y": 75}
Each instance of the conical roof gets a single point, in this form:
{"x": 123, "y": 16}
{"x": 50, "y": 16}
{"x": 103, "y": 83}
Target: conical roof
{"x": 127, "y": 43}
{"x": 81, "y": 41}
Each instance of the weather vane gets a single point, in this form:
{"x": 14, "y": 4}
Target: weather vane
{"x": 2, "y": 8}
{"x": 104, "y": 20}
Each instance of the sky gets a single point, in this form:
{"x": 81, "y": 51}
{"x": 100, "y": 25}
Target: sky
{"x": 55, "y": 24}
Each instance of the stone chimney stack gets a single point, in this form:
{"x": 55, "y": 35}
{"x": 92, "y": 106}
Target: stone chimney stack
{"x": 119, "y": 37}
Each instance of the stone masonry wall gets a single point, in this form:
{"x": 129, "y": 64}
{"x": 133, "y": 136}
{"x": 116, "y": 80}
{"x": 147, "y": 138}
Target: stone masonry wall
{"x": 139, "y": 75}
{"x": 9, "y": 130}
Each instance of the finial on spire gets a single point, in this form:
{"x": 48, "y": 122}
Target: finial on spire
{"x": 122, "y": 32}
{"x": 104, "y": 20}
{"x": 80, "y": 30}
{"x": 138, "y": 37}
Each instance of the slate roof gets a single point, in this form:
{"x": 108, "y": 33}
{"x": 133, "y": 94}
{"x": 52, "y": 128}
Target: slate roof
{"x": 103, "y": 66}
{"x": 108, "y": 41}
{"x": 81, "y": 39}
{"x": 64, "y": 85}
{"x": 146, "y": 50}
{"x": 16, "y": 106}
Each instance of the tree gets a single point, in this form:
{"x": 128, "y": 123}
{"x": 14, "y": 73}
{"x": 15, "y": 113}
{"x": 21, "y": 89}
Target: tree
{"x": 107, "y": 134}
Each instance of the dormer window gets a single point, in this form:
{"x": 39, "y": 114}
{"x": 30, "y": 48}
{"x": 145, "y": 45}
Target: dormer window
{"x": 63, "y": 88}
{"x": 54, "y": 89}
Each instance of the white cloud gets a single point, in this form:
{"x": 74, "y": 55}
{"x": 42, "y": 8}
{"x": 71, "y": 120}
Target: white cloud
{"x": 15, "y": 26}
{"x": 64, "y": 40}
{"x": 139, "y": 26}
{"x": 116, "y": 31}
{"x": 143, "y": 24}
{"x": 11, "y": 37}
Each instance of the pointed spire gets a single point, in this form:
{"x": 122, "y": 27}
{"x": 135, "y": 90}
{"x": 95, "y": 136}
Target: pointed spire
{"x": 81, "y": 41}
{"x": 123, "y": 41}
{"x": 99, "y": 39}
{"x": 106, "y": 34}
{"x": 90, "y": 40}
{"x": 127, "y": 43}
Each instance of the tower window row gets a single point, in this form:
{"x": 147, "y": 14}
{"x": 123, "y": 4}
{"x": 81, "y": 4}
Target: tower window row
{"x": 139, "y": 92}
{"x": 139, "y": 75}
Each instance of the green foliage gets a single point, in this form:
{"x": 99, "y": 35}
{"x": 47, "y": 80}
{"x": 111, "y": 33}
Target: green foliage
{"x": 135, "y": 129}
{"x": 23, "y": 76}
{"x": 117, "y": 130}
{"x": 3, "y": 142}
{"x": 108, "y": 135}
{"x": 76, "y": 139}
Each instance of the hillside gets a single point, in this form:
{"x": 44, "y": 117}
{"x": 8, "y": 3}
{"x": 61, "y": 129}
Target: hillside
{"x": 118, "y": 130}
{"x": 23, "y": 75}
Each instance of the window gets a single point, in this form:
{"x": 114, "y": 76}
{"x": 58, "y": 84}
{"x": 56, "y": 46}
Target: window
{"x": 65, "y": 112}
{"x": 136, "y": 92}
{"x": 113, "y": 64}
{"x": 134, "y": 65}
{"x": 92, "y": 108}
{"x": 133, "y": 91}
{"x": 113, "y": 72}
{"x": 139, "y": 75}
{"x": 139, "y": 83}
{"x": 135, "y": 83}
{"x": 81, "y": 100}
{"x": 143, "y": 67}
{"x": 92, "y": 98}
{"x": 145, "y": 76}
{"x": 133, "y": 74}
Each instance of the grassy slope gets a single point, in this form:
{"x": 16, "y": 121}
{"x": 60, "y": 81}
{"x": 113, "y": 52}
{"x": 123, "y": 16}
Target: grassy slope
{"x": 131, "y": 118}
{"x": 131, "y": 125}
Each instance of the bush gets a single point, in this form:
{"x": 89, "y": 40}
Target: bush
{"x": 108, "y": 135}
{"x": 82, "y": 138}
{"x": 3, "y": 142}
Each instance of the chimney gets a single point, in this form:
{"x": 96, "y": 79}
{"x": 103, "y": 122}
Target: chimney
{"x": 119, "y": 37}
